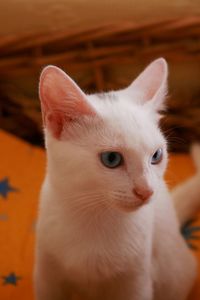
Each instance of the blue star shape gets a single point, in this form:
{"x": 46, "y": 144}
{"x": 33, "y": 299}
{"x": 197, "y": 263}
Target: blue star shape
{"x": 5, "y": 187}
{"x": 191, "y": 233}
{"x": 11, "y": 279}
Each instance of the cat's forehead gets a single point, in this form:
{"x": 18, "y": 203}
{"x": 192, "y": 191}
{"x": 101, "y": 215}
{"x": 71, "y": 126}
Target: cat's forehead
{"x": 100, "y": 100}
{"x": 127, "y": 121}
{"x": 114, "y": 105}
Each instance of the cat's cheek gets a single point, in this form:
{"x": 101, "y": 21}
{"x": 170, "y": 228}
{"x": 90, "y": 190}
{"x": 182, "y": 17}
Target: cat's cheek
{"x": 160, "y": 169}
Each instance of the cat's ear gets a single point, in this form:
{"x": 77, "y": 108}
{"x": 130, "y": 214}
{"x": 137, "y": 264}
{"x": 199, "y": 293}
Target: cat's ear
{"x": 151, "y": 84}
{"x": 62, "y": 101}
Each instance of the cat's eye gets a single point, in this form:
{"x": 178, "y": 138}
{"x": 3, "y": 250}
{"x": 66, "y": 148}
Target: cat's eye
{"x": 157, "y": 156}
{"x": 111, "y": 159}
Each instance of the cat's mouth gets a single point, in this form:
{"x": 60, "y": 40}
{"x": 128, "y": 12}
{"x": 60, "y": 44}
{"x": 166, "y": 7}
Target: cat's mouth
{"x": 129, "y": 205}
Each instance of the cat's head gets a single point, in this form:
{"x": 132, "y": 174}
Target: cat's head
{"x": 105, "y": 150}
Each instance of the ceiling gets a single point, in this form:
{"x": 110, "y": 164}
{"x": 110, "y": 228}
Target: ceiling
{"x": 21, "y": 17}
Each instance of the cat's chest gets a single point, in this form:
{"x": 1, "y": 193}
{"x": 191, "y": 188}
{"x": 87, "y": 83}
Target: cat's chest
{"x": 105, "y": 255}
{"x": 111, "y": 245}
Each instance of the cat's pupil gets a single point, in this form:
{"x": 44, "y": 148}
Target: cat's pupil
{"x": 111, "y": 159}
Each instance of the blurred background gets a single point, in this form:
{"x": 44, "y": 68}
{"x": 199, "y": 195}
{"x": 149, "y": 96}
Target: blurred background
{"x": 103, "y": 45}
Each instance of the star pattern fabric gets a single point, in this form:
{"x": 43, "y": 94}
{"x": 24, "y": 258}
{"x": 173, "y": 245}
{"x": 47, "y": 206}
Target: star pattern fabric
{"x": 20, "y": 179}
{"x": 6, "y": 188}
{"x": 22, "y": 168}
{"x": 11, "y": 278}
{"x": 191, "y": 234}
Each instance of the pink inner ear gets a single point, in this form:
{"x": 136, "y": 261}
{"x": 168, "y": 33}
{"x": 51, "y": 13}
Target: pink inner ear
{"x": 62, "y": 101}
{"x": 55, "y": 123}
{"x": 55, "y": 120}
{"x": 152, "y": 83}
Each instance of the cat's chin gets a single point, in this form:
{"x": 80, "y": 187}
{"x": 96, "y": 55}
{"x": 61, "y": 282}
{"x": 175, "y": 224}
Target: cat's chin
{"x": 130, "y": 206}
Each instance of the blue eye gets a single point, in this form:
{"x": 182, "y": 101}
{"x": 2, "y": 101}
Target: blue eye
{"x": 111, "y": 159}
{"x": 157, "y": 157}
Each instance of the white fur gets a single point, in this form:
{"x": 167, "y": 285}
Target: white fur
{"x": 95, "y": 239}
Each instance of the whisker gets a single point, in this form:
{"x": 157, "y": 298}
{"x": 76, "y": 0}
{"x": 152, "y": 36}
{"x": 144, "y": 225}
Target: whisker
{"x": 83, "y": 202}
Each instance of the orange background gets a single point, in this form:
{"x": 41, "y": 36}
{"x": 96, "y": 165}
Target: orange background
{"x": 24, "y": 165}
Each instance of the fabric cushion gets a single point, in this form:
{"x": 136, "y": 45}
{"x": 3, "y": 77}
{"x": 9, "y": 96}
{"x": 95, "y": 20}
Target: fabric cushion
{"x": 22, "y": 169}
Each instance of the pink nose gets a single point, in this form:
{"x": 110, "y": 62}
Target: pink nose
{"x": 143, "y": 194}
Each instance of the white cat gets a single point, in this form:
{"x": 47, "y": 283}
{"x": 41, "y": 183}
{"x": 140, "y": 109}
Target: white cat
{"x": 107, "y": 228}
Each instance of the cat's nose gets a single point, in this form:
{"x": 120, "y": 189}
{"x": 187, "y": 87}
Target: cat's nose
{"x": 143, "y": 193}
